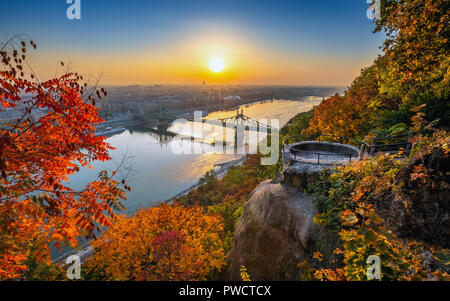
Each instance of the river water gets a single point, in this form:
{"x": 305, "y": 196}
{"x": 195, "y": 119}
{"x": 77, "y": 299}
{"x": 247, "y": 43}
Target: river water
{"x": 156, "y": 173}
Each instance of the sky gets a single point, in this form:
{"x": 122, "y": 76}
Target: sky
{"x": 300, "y": 42}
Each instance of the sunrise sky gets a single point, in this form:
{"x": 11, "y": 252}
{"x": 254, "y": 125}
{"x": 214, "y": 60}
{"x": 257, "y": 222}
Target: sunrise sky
{"x": 301, "y": 42}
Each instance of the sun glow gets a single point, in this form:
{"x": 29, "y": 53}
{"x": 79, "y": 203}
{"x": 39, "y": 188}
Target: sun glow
{"x": 217, "y": 65}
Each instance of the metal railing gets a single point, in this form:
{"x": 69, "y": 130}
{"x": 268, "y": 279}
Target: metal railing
{"x": 322, "y": 138}
{"x": 288, "y": 147}
{"x": 321, "y": 156}
{"x": 404, "y": 147}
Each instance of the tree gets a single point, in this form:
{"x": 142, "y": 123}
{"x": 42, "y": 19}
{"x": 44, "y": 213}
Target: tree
{"x": 340, "y": 116}
{"x": 53, "y": 137}
{"x": 417, "y": 37}
{"x": 168, "y": 243}
{"x": 414, "y": 70}
{"x": 417, "y": 49}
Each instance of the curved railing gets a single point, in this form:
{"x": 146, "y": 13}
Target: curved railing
{"x": 289, "y": 141}
{"x": 339, "y": 139}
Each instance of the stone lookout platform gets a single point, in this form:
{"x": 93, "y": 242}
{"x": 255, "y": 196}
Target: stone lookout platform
{"x": 304, "y": 160}
{"x": 322, "y": 153}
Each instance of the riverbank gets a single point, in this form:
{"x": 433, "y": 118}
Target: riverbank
{"x": 220, "y": 173}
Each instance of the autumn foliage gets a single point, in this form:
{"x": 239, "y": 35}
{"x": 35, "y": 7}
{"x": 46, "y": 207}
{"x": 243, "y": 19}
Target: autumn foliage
{"x": 417, "y": 46}
{"x": 414, "y": 70}
{"x": 170, "y": 243}
{"x": 405, "y": 90}
{"x": 346, "y": 203}
{"x": 53, "y": 137}
{"x": 339, "y": 116}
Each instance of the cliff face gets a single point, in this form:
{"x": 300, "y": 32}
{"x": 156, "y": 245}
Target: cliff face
{"x": 419, "y": 209}
{"x": 276, "y": 231}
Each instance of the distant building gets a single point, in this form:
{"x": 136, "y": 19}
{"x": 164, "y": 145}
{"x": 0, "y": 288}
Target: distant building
{"x": 232, "y": 98}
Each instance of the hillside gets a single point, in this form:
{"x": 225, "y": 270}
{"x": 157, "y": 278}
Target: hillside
{"x": 265, "y": 222}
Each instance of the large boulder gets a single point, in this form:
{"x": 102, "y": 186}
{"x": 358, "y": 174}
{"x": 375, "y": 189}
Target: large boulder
{"x": 275, "y": 234}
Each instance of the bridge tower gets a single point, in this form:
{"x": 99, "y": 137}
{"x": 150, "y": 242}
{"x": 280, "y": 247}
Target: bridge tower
{"x": 239, "y": 130}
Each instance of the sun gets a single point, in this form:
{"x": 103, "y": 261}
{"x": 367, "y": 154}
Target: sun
{"x": 217, "y": 65}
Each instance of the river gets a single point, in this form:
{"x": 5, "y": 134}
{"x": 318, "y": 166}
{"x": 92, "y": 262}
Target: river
{"x": 155, "y": 173}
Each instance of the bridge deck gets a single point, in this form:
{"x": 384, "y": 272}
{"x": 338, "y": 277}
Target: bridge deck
{"x": 239, "y": 119}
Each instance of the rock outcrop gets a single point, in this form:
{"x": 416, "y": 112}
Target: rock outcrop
{"x": 419, "y": 209}
{"x": 300, "y": 175}
{"x": 274, "y": 233}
